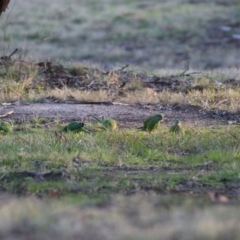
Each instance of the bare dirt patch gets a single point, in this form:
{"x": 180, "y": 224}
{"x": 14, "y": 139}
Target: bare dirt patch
{"x": 127, "y": 115}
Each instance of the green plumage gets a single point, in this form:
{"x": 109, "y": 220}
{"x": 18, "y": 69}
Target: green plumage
{"x": 107, "y": 123}
{"x": 176, "y": 127}
{"x": 5, "y": 127}
{"x": 74, "y": 127}
{"x": 152, "y": 123}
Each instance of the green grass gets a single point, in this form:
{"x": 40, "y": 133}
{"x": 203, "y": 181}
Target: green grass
{"x": 128, "y": 184}
{"x": 133, "y": 181}
{"x": 136, "y": 186}
{"x": 111, "y": 156}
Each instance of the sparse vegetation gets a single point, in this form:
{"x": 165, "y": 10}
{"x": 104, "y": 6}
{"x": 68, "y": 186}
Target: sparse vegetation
{"x": 63, "y": 175}
{"x": 94, "y": 167}
{"x": 153, "y": 34}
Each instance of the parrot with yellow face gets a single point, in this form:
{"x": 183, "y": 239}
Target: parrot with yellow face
{"x": 107, "y": 123}
{"x": 176, "y": 127}
{"x": 5, "y": 127}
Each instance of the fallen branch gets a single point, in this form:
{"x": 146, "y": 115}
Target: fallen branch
{"x": 6, "y": 114}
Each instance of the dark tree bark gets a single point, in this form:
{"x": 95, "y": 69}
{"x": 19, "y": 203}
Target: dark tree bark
{"x": 3, "y": 5}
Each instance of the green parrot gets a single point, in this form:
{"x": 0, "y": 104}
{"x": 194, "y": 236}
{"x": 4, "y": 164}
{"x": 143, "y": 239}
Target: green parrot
{"x": 5, "y": 127}
{"x": 151, "y": 123}
{"x": 107, "y": 123}
{"x": 74, "y": 127}
{"x": 176, "y": 127}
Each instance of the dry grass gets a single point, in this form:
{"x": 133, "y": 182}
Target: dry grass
{"x": 227, "y": 100}
{"x": 152, "y": 35}
{"x": 210, "y": 90}
{"x": 100, "y": 202}
{"x": 77, "y": 95}
{"x": 136, "y": 217}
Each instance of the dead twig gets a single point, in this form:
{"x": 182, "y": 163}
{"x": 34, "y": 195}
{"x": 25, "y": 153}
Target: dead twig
{"x": 13, "y": 53}
{"x": 6, "y": 114}
{"x": 122, "y": 68}
{"x": 235, "y": 137}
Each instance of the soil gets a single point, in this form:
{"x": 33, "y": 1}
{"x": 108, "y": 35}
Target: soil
{"x": 127, "y": 115}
